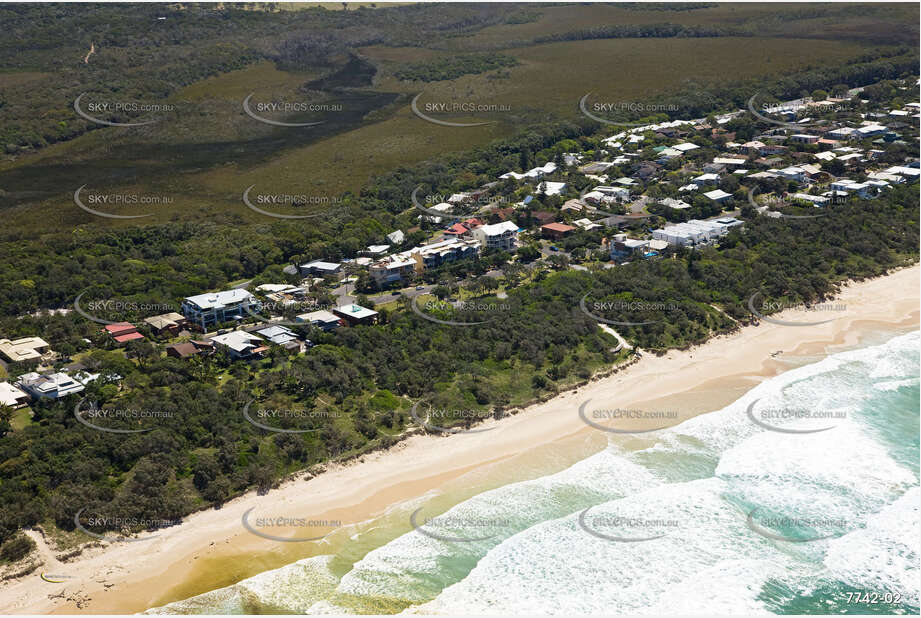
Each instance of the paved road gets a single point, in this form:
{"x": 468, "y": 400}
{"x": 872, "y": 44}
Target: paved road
{"x": 411, "y": 292}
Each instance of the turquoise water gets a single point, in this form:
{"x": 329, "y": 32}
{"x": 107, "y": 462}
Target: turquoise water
{"x": 718, "y": 515}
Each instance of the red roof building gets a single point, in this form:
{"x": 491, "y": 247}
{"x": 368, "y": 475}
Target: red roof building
{"x": 123, "y": 332}
{"x": 459, "y": 229}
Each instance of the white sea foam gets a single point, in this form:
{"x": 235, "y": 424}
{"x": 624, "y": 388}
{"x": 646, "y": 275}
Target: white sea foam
{"x": 415, "y": 567}
{"x": 882, "y": 556}
{"x": 557, "y": 567}
{"x": 292, "y": 588}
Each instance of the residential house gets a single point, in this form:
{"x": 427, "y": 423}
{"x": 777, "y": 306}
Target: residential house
{"x": 729, "y": 161}
{"x": 753, "y": 147}
{"x": 321, "y": 319}
{"x": 551, "y": 188}
{"x": 356, "y": 314}
{"x": 281, "y": 336}
{"x": 620, "y": 194}
{"x": 841, "y": 133}
{"x": 241, "y": 344}
{"x": 707, "y": 179}
{"x": 595, "y": 167}
{"x": 461, "y": 229}
{"x": 718, "y": 196}
{"x": 623, "y": 247}
{"x": 502, "y": 236}
{"x": 695, "y": 232}
{"x": 123, "y": 332}
{"x": 26, "y": 350}
{"x": 49, "y": 386}
{"x": 585, "y": 224}
{"x": 320, "y": 268}
{"x": 167, "y": 323}
{"x": 532, "y": 174}
{"x": 376, "y": 251}
{"x": 182, "y": 350}
{"x": 11, "y": 396}
{"x": 910, "y": 174}
{"x": 674, "y": 204}
{"x": 796, "y": 174}
{"x": 392, "y": 269}
{"x": 646, "y": 170}
{"x": 815, "y": 200}
{"x": 556, "y": 230}
{"x": 864, "y": 190}
{"x": 206, "y": 310}
{"x": 803, "y": 138}
{"x": 871, "y": 130}
{"x": 894, "y": 179}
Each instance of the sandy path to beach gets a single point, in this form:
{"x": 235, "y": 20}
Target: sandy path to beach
{"x": 131, "y": 577}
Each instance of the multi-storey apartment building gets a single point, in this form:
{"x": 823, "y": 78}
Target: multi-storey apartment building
{"x": 213, "y": 308}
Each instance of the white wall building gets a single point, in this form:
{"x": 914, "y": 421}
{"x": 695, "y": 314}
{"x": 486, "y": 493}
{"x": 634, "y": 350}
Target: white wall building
{"x": 695, "y": 232}
{"x": 502, "y": 236}
{"x": 216, "y": 307}
{"x": 49, "y": 386}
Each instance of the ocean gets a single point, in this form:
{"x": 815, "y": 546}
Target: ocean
{"x": 801, "y": 497}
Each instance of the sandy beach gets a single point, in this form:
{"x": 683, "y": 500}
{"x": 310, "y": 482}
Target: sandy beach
{"x": 131, "y": 577}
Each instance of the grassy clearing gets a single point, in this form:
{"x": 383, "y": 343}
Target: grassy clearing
{"x": 22, "y": 418}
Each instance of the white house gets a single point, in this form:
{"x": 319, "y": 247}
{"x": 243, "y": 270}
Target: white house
{"x": 12, "y": 396}
{"x": 695, "y": 232}
{"x": 909, "y": 173}
{"x": 215, "y": 307}
{"x": 796, "y": 174}
{"x": 240, "y": 344}
{"x": 673, "y": 203}
{"x": 585, "y": 224}
{"x": 502, "y": 236}
{"x": 618, "y": 193}
{"x": 533, "y": 173}
{"x": 552, "y": 188}
{"x": 25, "y": 350}
{"x": 718, "y": 195}
{"x": 49, "y": 386}
{"x": 320, "y": 319}
{"x": 871, "y": 130}
{"x": 815, "y": 200}
{"x": 707, "y": 179}
{"x": 863, "y": 190}
{"x": 841, "y": 133}
{"x": 321, "y": 268}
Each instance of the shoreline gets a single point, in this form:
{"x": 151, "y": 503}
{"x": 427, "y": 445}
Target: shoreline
{"x": 132, "y": 577}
